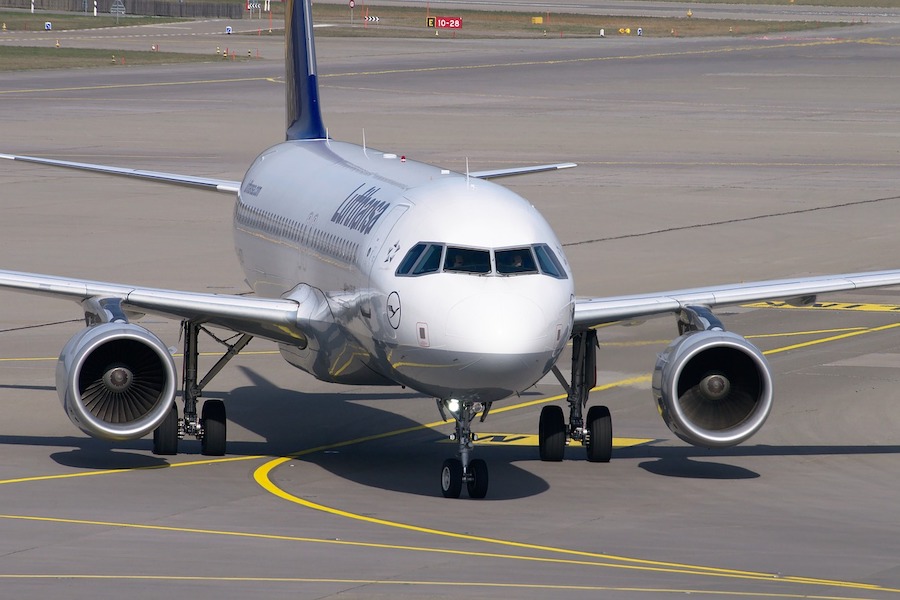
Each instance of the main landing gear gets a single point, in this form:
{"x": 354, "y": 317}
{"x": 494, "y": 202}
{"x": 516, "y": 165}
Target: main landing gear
{"x": 456, "y": 471}
{"x": 209, "y": 426}
{"x": 595, "y": 432}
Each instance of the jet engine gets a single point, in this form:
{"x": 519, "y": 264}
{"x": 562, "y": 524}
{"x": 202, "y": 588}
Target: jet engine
{"x": 713, "y": 388}
{"x": 116, "y": 381}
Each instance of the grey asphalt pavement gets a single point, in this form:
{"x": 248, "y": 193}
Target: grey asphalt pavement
{"x": 700, "y": 162}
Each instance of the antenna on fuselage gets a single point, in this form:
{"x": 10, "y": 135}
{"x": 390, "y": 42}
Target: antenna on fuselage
{"x": 467, "y": 172}
{"x": 366, "y": 154}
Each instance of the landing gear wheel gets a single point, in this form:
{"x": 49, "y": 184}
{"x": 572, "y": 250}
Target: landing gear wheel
{"x": 599, "y": 426}
{"x": 213, "y": 422}
{"x": 165, "y": 437}
{"x": 478, "y": 484}
{"x": 552, "y": 434}
{"x": 451, "y": 478}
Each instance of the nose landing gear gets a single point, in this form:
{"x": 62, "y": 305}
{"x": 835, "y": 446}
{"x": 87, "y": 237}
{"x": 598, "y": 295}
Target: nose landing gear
{"x": 456, "y": 471}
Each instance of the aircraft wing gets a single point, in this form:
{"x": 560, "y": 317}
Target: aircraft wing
{"x": 232, "y": 187}
{"x": 289, "y": 320}
{"x": 216, "y": 185}
{"x": 497, "y": 173}
{"x": 799, "y": 291}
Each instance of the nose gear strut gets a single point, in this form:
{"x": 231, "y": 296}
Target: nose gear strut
{"x": 456, "y": 471}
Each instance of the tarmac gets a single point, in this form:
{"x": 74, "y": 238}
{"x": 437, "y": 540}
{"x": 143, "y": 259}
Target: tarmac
{"x": 701, "y": 161}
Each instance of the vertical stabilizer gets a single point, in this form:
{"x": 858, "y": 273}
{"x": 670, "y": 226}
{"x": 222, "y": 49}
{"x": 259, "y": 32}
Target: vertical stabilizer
{"x": 304, "y": 119}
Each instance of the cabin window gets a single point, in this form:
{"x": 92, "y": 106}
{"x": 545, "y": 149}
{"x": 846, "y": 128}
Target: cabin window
{"x": 515, "y": 261}
{"x": 467, "y": 260}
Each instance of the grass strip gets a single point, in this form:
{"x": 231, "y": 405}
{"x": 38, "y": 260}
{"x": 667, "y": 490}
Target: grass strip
{"x": 22, "y": 58}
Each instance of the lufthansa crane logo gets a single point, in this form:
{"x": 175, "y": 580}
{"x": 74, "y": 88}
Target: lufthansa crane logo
{"x": 393, "y": 310}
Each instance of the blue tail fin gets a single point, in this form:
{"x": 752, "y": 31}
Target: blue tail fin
{"x": 304, "y": 119}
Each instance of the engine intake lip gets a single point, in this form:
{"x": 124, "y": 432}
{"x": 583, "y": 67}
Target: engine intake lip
{"x": 694, "y": 415}
{"x": 116, "y": 381}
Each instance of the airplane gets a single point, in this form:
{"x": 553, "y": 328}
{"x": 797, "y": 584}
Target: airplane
{"x": 368, "y": 270}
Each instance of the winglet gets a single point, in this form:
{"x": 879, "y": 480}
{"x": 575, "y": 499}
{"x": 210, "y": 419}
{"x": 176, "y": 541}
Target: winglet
{"x": 304, "y": 119}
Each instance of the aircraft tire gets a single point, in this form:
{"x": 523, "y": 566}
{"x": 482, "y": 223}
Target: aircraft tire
{"x": 451, "y": 478}
{"x": 165, "y": 437}
{"x": 478, "y": 484}
{"x": 213, "y": 420}
{"x": 552, "y": 434}
{"x": 599, "y": 425}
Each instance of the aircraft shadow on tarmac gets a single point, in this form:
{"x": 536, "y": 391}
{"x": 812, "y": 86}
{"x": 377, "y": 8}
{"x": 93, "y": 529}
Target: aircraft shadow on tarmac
{"x": 288, "y": 421}
{"x": 680, "y": 466}
{"x": 408, "y": 462}
{"x": 674, "y": 461}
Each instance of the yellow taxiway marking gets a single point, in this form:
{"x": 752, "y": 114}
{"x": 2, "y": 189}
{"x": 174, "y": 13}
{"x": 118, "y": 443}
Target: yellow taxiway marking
{"x": 192, "y": 463}
{"x": 587, "y": 559}
{"x": 854, "y": 306}
{"x": 527, "y": 439}
{"x": 833, "y": 338}
{"x": 757, "y": 336}
{"x": 262, "y": 477}
{"x": 640, "y": 379}
{"x": 421, "y": 583}
{"x": 760, "y": 336}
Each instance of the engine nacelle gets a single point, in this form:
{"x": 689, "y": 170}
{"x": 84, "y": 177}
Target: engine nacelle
{"x": 713, "y": 388}
{"x": 116, "y": 381}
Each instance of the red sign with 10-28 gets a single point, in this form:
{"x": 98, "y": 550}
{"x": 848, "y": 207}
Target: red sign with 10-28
{"x": 444, "y": 22}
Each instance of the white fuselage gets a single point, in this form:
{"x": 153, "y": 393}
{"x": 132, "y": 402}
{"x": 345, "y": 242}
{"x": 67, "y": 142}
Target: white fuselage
{"x": 375, "y": 237}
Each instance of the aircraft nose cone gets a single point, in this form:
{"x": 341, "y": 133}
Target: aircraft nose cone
{"x": 498, "y": 323}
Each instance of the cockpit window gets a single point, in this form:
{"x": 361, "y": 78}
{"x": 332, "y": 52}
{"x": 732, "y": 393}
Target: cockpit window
{"x": 515, "y": 261}
{"x": 427, "y": 257}
{"x": 549, "y": 263}
{"x": 410, "y": 259}
{"x": 467, "y": 260}
{"x": 421, "y": 259}
{"x": 430, "y": 261}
